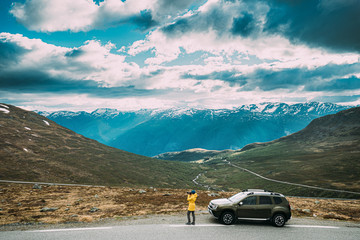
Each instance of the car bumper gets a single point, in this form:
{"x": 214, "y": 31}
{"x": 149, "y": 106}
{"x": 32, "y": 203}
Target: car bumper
{"x": 214, "y": 213}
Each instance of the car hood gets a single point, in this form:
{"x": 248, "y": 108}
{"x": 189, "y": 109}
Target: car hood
{"x": 221, "y": 201}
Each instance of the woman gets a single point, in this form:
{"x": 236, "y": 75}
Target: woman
{"x": 191, "y": 209}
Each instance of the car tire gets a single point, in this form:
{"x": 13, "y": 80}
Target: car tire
{"x": 227, "y": 218}
{"x": 278, "y": 220}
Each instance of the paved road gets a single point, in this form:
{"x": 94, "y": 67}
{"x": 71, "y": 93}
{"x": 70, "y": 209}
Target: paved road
{"x": 207, "y": 228}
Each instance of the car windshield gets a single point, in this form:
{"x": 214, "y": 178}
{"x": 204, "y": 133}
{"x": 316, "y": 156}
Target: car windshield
{"x": 237, "y": 197}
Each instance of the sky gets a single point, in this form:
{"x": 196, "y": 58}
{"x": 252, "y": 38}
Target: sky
{"x": 146, "y": 54}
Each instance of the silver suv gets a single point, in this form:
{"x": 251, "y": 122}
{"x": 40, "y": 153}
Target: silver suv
{"x": 252, "y": 204}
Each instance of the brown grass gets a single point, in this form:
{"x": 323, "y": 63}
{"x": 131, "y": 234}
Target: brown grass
{"x": 20, "y": 203}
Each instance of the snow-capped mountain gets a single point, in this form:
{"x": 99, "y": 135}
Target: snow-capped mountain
{"x": 151, "y": 132}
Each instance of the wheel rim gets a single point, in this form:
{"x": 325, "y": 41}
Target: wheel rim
{"x": 228, "y": 218}
{"x": 279, "y": 220}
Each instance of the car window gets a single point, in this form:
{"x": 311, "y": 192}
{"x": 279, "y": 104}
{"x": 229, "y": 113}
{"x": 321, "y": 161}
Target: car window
{"x": 237, "y": 197}
{"x": 265, "y": 200}
{"x": 277, "y": 200}
{"x": 249, "y": 201}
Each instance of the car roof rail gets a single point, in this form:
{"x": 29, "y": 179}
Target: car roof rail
{"x": 256, "y": 190}
{"x": 277, "y": 194}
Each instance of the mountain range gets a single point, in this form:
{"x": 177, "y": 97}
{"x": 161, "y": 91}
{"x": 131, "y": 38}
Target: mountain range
{"x": 152, "y": 132}
{"x": 34, "y": 148}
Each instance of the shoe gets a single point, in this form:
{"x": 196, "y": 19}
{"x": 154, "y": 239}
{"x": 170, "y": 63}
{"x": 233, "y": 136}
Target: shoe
{"x": 188, "y": 223}
{"x": 193, "y": 223}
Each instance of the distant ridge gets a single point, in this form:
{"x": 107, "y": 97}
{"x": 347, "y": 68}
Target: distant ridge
{"x": 152, "y": 132}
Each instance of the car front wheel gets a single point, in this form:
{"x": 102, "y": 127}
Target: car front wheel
{"x": 228, "y": 218}
{"x": 278, "y": 220}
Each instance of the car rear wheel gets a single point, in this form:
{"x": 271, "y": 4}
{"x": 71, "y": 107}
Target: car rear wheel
{"x": 278, "y": 220}
{"x": 228, "y": 218}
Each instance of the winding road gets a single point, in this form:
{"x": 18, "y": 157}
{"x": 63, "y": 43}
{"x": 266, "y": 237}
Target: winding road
{"x": 269, "y": 179}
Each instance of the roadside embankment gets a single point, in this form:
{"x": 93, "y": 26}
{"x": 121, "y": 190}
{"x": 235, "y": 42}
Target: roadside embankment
{"x": 26, "y": 203}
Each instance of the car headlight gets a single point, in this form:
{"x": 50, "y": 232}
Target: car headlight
{"x": 213, "y": 206}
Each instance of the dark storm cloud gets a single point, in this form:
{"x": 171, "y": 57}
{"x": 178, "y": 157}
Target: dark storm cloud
{"x": 227, "y": 76}
{"x": 10, "y": 53}
{"x": 74, "y": 53}
{"x": 34, "y": 81}
{"x": 243, "y": 25}
{"x": 333, "y": 24}
{"x": 325, "y": 78}
{"x": 337, "y": 85}
{"x": 144, "y": 20}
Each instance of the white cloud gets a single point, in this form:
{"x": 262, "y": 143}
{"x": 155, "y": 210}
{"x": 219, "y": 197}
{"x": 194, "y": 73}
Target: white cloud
{"x": 55, "y": 15}
{"x": 91, "y": 61}
{"x": 85, "y": 15}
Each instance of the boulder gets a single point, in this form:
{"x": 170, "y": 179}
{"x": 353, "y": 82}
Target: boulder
{"x": 37, "y": 186}
{"x": 94, "y": 209}
{"x": 47, "y": 209}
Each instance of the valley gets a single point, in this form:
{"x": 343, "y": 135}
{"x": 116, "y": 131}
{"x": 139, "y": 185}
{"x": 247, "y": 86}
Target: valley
{"x": 324, "y": 155}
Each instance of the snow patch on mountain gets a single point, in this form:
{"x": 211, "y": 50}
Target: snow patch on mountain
{"x": 4, "y": 108}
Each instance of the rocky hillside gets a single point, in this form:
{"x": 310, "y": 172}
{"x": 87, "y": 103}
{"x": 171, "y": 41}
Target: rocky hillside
{"x": 34, "y": 148}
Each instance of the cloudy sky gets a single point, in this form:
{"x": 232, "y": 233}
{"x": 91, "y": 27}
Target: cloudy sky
{"x": 132, "y": 54}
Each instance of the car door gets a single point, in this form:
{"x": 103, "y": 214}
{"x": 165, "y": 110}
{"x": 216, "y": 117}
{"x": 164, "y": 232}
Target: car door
{"x": 247, "y": 207}
{"x": 264, "y": 207}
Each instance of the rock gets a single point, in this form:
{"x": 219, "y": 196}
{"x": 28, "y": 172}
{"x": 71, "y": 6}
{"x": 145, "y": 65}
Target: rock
{"x": 46, "y": 209}
{"x": 67, "y": 209}
{"x": 167, "y": 194}
{"x": 37, "y": 186}
{"x": 306, "y": 210}
{"x": 213, "y": 194}
{"x": 94, "y": 209}
{"x": 74, "y": 215}
{"x": 96, "y": 196}
{"x": 142, "y": 191}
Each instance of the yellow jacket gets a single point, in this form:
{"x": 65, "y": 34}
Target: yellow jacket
{"x": 191, "y": 199}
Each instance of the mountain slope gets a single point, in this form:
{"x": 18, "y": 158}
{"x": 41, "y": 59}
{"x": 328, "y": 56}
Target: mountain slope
{"x": 152, "y": 132}
{"x": 34, "y": 148}
{"x": 326, "y": 154}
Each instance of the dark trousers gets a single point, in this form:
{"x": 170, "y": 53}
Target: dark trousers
{"x": 193, "y": 216}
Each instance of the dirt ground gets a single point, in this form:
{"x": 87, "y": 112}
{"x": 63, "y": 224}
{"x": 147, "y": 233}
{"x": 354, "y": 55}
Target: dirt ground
{"x": 22, "y": 204}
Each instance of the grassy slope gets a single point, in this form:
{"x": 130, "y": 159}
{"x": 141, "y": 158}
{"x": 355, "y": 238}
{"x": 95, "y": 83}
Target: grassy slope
{"x": 56, "y": 154}
{"x": 325, "y": 154}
